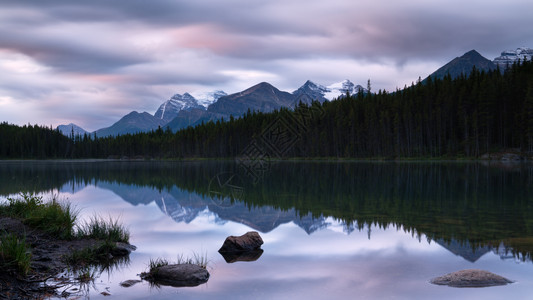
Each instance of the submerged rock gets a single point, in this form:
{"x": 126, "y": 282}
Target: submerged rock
{"x": 247, "y": 242}
{"x": 178, "y": 275}
{"x": 471, "y": 278}
{"x": 130, "y": 282}
{"x": 252, "y": 255}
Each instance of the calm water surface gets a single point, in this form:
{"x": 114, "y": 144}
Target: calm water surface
{"x": 350, "y": 230}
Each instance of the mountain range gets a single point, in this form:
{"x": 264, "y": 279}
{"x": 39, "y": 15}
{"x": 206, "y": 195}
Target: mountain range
{"x": 183, "y": 110}
{"x": 188, "y": 109}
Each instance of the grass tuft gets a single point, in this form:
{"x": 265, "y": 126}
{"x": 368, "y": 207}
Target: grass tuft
{"x": 199, "y": 260}
{"x": 99, "y": 228}
{"x": 14, "y": 253}
{"x": 156, "y": 263}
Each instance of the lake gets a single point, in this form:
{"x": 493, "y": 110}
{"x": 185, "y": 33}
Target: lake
{"x": 353, "y": 230}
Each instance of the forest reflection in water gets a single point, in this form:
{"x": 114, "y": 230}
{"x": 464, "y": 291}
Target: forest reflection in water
{"x": 468, "y": 207}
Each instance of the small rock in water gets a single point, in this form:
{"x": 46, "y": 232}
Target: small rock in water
{"x": 179, "y": 275}
{"x": 246, "y": 242}
{"x": 471, "y": 278}
{"x": 130, "y": 282}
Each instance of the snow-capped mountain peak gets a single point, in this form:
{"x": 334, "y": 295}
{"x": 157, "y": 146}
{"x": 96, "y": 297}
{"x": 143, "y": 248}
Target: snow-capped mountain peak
{"x": 170, "y": 108}
{"x": 508, "y": 57}
{"x": 199, "y": 100}
{"x": 310, "y": 91}
{"x": 339, "y": 89}
{"x": 315, "y": 86}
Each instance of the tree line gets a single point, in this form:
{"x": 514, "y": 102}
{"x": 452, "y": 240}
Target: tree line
{"x": 450, "y": 117}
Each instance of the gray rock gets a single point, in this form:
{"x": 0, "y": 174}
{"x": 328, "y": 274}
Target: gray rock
{"x": 130, "y": 282}
{"x": 471, "y": 278}
{"x": 122, "y": 249}
{"x": 246, "y": 242}
{"x": 179, "y": 275}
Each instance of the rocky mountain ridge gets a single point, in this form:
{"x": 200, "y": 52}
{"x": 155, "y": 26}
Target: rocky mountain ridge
{"x": 183, "y": 110}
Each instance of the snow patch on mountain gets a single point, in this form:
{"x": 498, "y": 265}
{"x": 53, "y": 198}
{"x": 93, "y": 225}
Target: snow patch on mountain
{"x": 339, "y": 89}
{"x": 315, "y": 87}
{"x": 207, "y": 98}
{"x": 170, "y": 108}
{"x": 508, "y": 57}
{"x": 330, "y": 92}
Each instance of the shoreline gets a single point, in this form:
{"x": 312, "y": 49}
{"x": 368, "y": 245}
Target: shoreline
{"x": 48, "y": 262}
{"x": 288, "y": 159}
{"x": 43, "y": 248}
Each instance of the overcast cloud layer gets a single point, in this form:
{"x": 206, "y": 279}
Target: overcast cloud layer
{"x": 92, "y": 62}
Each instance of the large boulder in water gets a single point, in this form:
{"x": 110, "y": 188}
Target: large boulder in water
{"x": 471, "y": 278}
{"x": 178, "y": 275}
{"x": 247, "y": 242}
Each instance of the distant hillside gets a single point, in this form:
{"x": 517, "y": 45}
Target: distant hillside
{"x": 192, "y": 117}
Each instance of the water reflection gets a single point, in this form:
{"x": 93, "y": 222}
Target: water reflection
{"x": 468, "y": 208}
{"x": 79, "y": 281}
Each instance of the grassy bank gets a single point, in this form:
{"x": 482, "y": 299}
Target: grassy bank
{"x": 53, "y": 217}
{"x": 58, "y": 220}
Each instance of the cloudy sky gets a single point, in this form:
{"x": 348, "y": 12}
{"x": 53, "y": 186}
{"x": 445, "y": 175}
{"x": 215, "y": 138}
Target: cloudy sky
{"x": 92, "y": 62}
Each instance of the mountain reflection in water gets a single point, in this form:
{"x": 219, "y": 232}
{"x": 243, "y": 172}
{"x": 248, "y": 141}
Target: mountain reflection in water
{"x": 468, "y": 208}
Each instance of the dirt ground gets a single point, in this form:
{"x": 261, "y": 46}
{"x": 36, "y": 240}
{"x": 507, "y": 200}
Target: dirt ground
{"x": 47, "y": 264}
